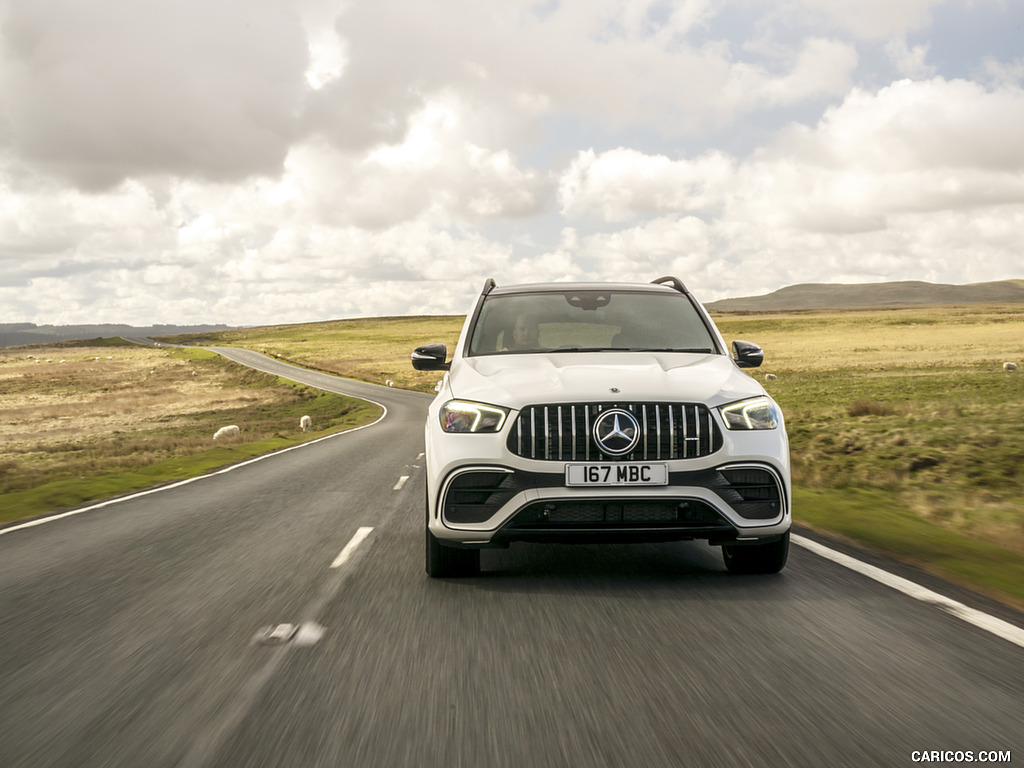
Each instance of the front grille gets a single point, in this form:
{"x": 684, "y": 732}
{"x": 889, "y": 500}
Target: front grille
{"x": 564, "y": 432}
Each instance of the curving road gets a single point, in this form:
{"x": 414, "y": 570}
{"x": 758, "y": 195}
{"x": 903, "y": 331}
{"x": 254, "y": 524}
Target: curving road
{"x": 145, "y": 633}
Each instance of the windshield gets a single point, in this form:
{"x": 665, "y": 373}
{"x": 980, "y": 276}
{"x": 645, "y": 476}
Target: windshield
{"x": 589, "y": 321}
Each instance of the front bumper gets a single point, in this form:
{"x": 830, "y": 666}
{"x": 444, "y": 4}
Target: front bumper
{"x": 492, "y": 505}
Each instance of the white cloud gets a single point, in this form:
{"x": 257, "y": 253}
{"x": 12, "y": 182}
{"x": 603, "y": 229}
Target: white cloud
{"x": 1004, "y": 73}
{"x": 909, "y": 62}
{"x": 921, "y": 179}
{"x": 286, "y": 160}
{"x": 622, "y": 183}
{"x": 98, "y": 92}
{"x": 877, "y": 19}
{"x": 823, "y": 67}
{"x": 918, "y": 126}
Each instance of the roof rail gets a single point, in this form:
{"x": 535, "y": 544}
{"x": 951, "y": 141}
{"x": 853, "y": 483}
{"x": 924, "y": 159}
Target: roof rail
{"x": 675, "y": 282}
{"x": 489, "y": 285}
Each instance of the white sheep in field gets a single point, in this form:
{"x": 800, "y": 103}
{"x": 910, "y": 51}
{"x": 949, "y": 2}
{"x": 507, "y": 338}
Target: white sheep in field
{"x": 770, "y": 377}
{"x": 389, "y": 383}
{"x": 231, "y": 430}
{"x": 1010, "y": 366}
{"x": 306, "y": 423}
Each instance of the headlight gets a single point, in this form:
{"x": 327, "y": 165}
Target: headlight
{"x": 463, "y": 416}
{"x": 758, "y": 413}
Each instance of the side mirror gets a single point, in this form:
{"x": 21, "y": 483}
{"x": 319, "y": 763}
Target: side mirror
{"x": 430, "y": 358}
{"x": 747, "y": 354}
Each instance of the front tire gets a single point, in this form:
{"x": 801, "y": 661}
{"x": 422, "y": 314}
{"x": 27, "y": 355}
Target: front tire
{"x": 450, "y": 562}
{"x": 757, "y": 558}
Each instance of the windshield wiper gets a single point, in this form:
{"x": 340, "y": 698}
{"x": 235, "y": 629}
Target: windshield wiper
{"x": 696, "y": 351}
{"x": 702, "y": 351}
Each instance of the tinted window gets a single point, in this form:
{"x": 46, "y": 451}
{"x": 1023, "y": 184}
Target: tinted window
{"x": 589, "y": 321}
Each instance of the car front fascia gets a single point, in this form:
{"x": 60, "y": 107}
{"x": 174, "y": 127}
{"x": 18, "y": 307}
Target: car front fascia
{"x": 463, "y": 452}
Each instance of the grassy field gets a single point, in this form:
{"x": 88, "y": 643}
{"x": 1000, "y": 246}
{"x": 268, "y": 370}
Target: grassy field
{"x": 374, "y": 350}
{"x": 80, "y": 422}
{"x": 905, "y": 429}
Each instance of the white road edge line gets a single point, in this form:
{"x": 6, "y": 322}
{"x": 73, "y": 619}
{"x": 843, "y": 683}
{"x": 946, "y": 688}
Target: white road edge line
{"x": 353, "y": 543}
{"x": 400, "y": 483}
{"x": 973, "y": 616}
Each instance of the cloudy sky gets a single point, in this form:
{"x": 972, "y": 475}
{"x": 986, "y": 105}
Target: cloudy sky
{"x": 274, "y": 161}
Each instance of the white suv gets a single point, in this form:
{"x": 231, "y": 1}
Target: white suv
{"x": 601, "y": 412}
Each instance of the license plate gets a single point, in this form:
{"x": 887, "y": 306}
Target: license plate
{"x": 616, "y": 474}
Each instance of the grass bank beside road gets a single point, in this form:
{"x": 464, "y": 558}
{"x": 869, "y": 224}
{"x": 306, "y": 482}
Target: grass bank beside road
{"x": 86, "y": 421}
{"x": 905, "y": 430}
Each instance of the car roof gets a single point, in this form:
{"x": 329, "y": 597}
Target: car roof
{"x": 577, "y": 287}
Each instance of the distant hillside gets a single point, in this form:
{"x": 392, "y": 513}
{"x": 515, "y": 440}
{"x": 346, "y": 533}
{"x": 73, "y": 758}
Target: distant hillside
{"x": 900, "y": 294}
{"x": 19, "y": 334}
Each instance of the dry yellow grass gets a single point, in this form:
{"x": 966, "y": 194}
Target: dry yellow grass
{"x": 883, "y": 340}
{"x": 80, "y": 422}
{"x": 53, "y": 395}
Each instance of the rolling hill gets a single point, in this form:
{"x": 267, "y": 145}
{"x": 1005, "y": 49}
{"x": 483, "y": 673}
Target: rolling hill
{"x": 860, "y": 296}
{"x": 19, "y": 334}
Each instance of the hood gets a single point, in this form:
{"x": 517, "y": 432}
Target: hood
{"x": 518, "y": 380}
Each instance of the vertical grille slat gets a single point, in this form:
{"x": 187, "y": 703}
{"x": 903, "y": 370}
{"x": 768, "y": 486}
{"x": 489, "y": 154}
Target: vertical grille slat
{"x": 560, "y": 447}
{"x": 562, "y": 432}
{"x": 657, "y": 420}
{"x": 643, "y": 426}
{"x": 671, "y": 432}
{"x": 573, "y": 409}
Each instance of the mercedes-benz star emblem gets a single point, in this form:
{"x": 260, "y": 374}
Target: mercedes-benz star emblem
{"x": 616, "y": 432}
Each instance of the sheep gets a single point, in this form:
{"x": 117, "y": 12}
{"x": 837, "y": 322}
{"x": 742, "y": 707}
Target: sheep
{"x": 231, "y": 430}
{"x": 770, "y": 377}
{"x": 389, "y": 383}
{"x": 306, "y": 423}
{"x": 1010, "y": 366}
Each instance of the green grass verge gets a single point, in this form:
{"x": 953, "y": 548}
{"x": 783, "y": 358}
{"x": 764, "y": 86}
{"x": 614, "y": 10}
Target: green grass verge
{"x": 148, "y": 421}
{"x": 871, "y": 519}
{"x": 72, "y": 492}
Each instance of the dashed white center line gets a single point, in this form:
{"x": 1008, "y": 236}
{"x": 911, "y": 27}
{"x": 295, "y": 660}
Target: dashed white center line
{"x": 400, "y": 483}
{"x": 353, "y": 543}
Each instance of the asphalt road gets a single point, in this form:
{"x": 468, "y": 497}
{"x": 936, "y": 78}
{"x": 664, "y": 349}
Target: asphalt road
{"x": 129, "y": 637}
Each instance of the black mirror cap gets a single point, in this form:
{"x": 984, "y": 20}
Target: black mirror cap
{"x": 430, "y": 357}
{"x": 747, "y": 354}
